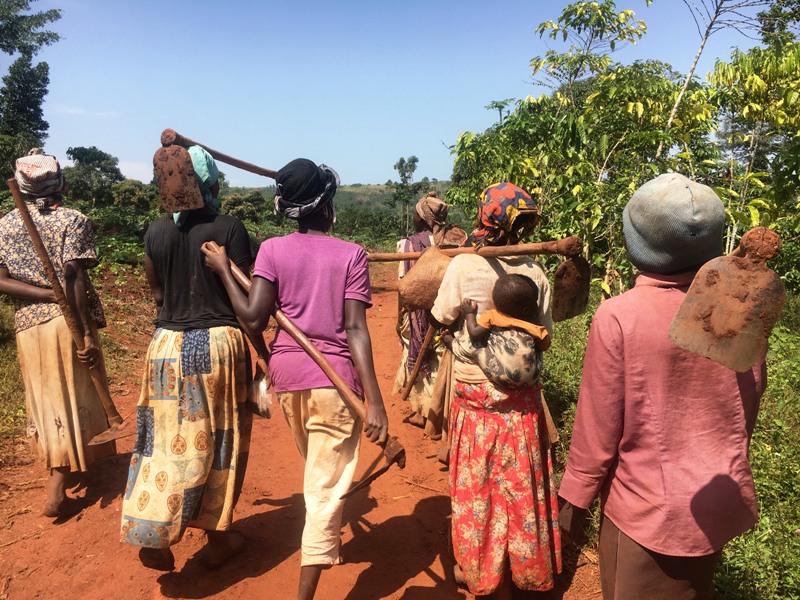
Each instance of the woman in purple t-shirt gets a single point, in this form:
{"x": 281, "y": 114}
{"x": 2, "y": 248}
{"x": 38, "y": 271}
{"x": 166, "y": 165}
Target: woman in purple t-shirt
{"x": 322, "y": 284}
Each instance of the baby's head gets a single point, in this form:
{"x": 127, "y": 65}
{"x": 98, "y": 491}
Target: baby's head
{"x": 516, "y": 296}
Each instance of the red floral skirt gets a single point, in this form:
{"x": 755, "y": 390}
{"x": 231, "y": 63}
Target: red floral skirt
{"x": 504, "y": 503}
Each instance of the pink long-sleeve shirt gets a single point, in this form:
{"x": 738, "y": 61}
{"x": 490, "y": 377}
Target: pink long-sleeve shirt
{"x": 660, "y": 433}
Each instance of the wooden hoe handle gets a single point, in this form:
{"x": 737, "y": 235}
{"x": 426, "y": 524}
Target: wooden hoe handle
{"x": 569, "y": 246}
{"x": 170, "y": 137}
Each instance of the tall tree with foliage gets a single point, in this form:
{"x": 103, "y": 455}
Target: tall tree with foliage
{"x": 22, "y": 31}
{"x": 780, "y": 22}
{"x": 584, "y": 148}
{"x": 407, "y": 190}
{"x": 709, "y": 17}
{"x": 593, "y": 30}
{"x": 22, "y": 124}
{"x": 21, "y": 98}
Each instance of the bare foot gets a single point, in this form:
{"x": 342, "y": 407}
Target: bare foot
{"x": 160, "y": 559}
{"x": 222, "y": 546}
{"x": 415, "y": 419}
{"x": 458, "y": 575}
{"x": 63, "y": 509}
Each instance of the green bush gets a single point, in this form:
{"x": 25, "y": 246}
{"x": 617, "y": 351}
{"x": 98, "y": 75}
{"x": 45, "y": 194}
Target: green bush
{"x": 12, "y": 399}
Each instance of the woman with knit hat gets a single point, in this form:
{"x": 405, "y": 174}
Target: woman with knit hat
{"x": 431, "y": 229}
{"x": 321, "y": 283}
{"x": 63, "y": 409}
{"x": 504, "y": 504}
{"x": 661, "y": 434}
{"x": 193, "y": 432}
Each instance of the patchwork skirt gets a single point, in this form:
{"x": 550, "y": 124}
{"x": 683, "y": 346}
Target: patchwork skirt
{"x": 193, "y": 436}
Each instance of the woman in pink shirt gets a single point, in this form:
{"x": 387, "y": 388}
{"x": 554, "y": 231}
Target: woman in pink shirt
{"x": 322, "y": 284}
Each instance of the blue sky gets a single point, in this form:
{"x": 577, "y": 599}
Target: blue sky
{"x": 355, "y": 84}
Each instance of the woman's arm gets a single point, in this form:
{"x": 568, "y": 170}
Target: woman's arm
{"x": 76, "y": 285}
{"x": 253, "y": 309}
{"x": 376, "y": 427}
{"x": 156, "y": 287}
{"x": 23, "y": 291}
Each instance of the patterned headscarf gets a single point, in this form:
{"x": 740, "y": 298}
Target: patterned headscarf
{"x": 304, "y": 188}
{"x": 434, "y": 212}
{"x": 39, "y": 175}
{"x": 497, "y": 222}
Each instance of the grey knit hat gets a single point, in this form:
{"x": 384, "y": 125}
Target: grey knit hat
{"x": 672, "y": 223}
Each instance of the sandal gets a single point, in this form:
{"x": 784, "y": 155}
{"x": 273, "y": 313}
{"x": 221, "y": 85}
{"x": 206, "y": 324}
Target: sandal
{"x": 160, "y": 559}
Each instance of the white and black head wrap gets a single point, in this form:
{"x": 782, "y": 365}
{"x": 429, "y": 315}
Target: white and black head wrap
{"x": 39, "y": 176}
{"x": 304, "y": 188}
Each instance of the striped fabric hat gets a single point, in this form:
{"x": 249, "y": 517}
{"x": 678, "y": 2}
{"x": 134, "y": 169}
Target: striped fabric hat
{"x": 39, "y": 174}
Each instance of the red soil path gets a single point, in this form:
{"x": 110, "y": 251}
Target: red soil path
{"x": 394, "y": 539}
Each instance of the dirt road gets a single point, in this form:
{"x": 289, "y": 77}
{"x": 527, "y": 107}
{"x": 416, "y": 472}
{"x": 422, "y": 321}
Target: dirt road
{"x": 393, "y": 536}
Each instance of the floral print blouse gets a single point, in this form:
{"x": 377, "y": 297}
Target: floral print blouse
{"x": 67, "y": 234}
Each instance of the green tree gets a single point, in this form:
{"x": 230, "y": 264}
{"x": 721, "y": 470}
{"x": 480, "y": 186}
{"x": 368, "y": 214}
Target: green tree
{"x": 21, "y": 98}
{"x": 22, "y": 125}
{"x": 593, "y": 30}
{"x": 134, "y": 194}
{"x": 709, "y": 17}
{"x": 250, "y": 206}
{"x": 405, "y": 191}
{"x": 582, "y": 150}
{"x": 779, "y": 22}
{"x": 92, "y": 176}
{"x": 21, "y": 31}
{"x": 759, "y": 92}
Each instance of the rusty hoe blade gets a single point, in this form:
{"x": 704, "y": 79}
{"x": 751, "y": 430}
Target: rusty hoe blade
{"x": 571, "y": 288}
{"x": 177, "y": 184}
{"x": 732, "y": 305}
{"x": 114, "y": 432}
{"x": 394, "y": 453}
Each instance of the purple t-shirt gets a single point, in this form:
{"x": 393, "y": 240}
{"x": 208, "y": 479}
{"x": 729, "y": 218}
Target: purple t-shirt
{"x": 314, "y": 275}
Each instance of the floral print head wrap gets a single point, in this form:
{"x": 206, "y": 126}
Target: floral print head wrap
{"x": 506, "y": 214}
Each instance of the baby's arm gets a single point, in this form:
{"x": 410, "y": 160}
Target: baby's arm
{"x": 468, "y": 309}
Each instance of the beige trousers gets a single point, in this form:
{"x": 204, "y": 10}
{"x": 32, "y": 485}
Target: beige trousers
{"x": 327, "y": 435}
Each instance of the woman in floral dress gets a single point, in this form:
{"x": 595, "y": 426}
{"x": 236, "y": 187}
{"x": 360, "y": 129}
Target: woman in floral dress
{"x": 505, "y": 517}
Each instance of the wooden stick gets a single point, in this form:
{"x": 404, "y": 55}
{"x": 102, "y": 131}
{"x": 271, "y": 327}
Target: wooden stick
{"x": 570, "y": 246}
{"x": 426, "y": 343}
{"x": 96, "y": 373}
{"x": 170, "y": 136}
{"x": 424, "y": 487}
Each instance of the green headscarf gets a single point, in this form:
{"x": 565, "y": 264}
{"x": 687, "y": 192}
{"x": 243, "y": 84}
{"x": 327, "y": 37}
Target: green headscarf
{"x": 207, "y": 173}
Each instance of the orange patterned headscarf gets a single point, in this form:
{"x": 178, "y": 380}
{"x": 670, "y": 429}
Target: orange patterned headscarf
{"x": 499, "y": 210}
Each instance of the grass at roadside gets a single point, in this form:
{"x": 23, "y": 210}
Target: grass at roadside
{"x": 12, "y": 401}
